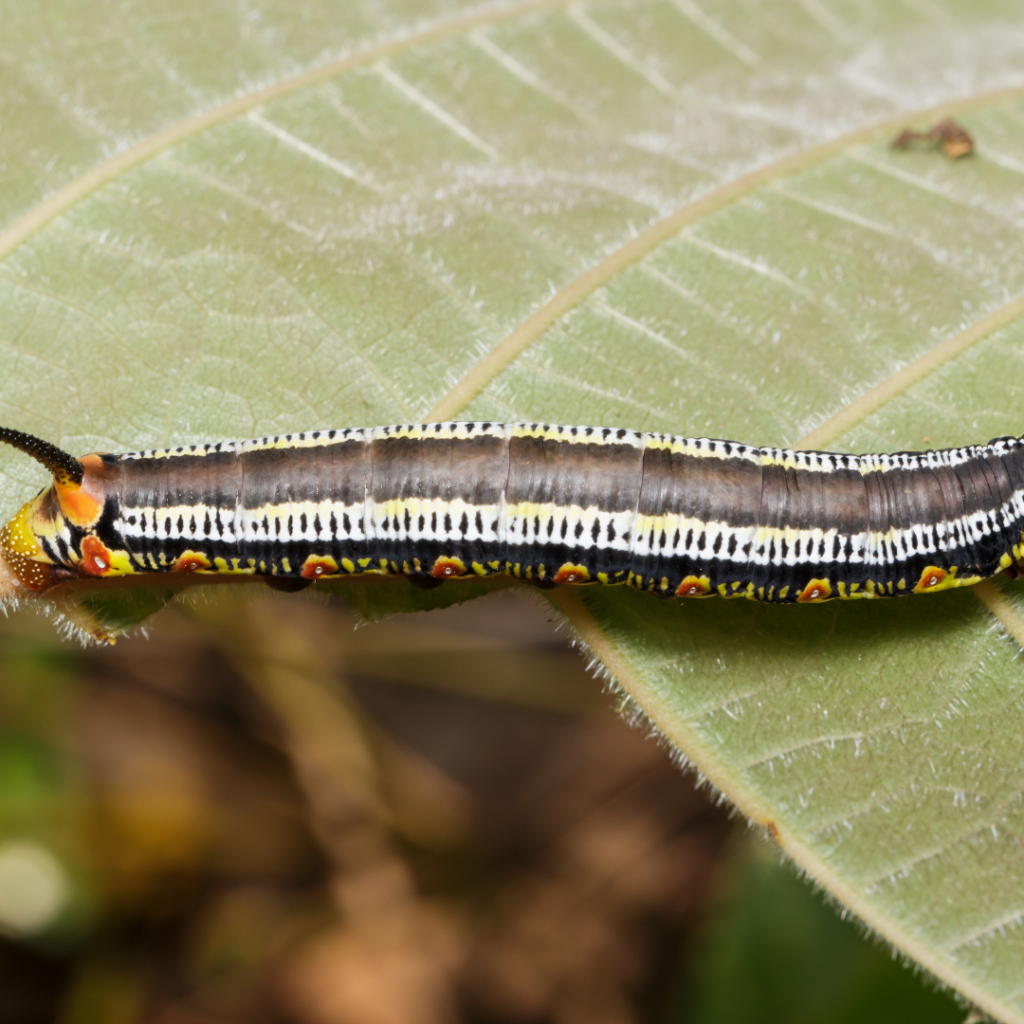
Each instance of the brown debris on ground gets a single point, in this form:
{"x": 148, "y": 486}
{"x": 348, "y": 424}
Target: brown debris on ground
{"x": 430, "y": 820}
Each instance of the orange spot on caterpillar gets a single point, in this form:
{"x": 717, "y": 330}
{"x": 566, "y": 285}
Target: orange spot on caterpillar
{"x": 80, "y": 507}
{"x": 816, "y": 590}
{"x": 318, "y": 565}
{"x": 570, "y": 573}
{"x": 694, "y": 586}
{"x": 931, "y": 578}
{"x": 191, "y": 561}
{"x": 446, "y": 567}
{"x": 96, "y": 558}
{"x": 773, "y": 829}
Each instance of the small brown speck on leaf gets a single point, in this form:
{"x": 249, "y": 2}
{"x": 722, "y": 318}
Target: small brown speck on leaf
{"x": 954, "y": 140}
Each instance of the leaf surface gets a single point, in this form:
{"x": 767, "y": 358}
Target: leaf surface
{"x": 222, "y": 220}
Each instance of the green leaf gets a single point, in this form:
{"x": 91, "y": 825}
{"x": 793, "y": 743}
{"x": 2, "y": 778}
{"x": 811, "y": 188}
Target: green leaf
{"x": 681, "y": 215}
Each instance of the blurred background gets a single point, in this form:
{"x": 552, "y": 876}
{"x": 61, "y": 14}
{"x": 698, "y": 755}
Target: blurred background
{"x": 266, "y": 811}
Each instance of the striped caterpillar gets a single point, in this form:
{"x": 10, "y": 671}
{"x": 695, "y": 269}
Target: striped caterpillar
{"x": 689, "y": 517}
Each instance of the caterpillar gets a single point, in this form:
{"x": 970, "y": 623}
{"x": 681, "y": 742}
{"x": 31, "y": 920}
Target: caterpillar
{"x": 676, "y": 516}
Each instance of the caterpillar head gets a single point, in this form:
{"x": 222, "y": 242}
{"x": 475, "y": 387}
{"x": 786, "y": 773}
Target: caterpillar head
{"x": 77, "y": 494}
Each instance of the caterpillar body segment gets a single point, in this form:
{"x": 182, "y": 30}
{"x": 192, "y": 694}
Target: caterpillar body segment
{"x": 688, "y": 517}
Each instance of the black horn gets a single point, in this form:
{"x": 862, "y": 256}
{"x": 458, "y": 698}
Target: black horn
{"x": 66, "y": 469}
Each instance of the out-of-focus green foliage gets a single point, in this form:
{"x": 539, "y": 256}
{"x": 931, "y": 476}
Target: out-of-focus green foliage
{"x": 776, "y": 954}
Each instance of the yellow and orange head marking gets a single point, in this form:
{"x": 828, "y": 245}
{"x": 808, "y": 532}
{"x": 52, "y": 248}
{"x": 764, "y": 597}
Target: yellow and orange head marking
{"x": 570, "y": 573}
{"x": 446, "y": 567}
{"x": 934, "y": 578}
{"x": 694, "y": 586}
{"x": 816, "y": 590}
{"x": 191, "y": 561}
{"x": 82, "y": 504}
{"x": 318, "y": 565}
